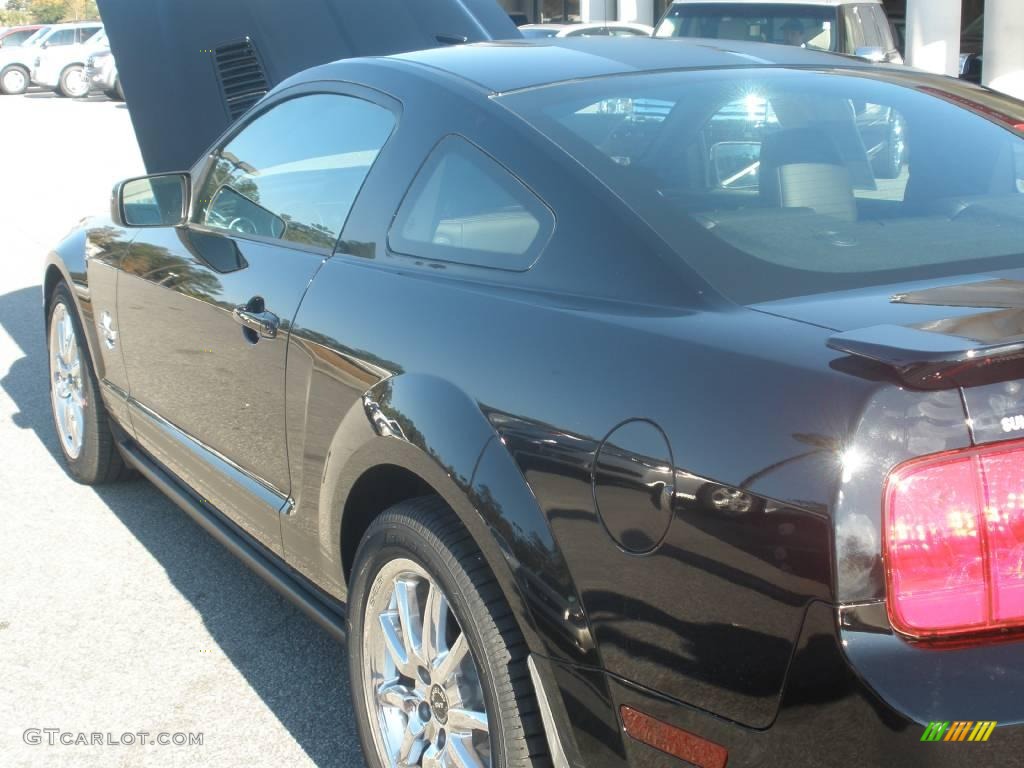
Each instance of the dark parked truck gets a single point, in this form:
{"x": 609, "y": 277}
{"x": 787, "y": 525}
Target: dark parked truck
{"x": 599, "y": 393}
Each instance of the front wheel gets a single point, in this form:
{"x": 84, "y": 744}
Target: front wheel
{"x": 14, "y": 80}
{"x": 73, "y": 82}
{"x": 83, "y": 429}
{"x": 438, "y": 669}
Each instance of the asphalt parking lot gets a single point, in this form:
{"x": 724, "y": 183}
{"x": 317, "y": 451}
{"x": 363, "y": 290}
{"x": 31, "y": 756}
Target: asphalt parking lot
{"x": 118, "y": 615}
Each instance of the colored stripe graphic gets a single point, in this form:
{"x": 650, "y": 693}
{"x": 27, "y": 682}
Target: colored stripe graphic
{"x": 958, "y": 731}
{"x": 982, "y": 731}
{"x": 935, "y": 731}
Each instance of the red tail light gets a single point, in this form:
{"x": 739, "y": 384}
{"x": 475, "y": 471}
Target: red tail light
{"x": 954, "y": 542}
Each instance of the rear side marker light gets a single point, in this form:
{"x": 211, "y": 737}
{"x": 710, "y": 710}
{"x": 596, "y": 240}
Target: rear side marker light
{"x": 673, "y": 741}
{"x": 954, "y": 542}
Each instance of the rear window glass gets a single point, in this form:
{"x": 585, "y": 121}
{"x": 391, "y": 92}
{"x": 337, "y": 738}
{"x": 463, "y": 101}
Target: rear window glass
{"x": 807, "y": 26}
{"x": 775, "y": 183}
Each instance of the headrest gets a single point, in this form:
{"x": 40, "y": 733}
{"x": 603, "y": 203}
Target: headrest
{"x": 801, "y": 168}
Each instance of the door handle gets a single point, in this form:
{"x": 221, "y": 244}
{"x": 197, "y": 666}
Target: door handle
{"x": 264, "y": 324}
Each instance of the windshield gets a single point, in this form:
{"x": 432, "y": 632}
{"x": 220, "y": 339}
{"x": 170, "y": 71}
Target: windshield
{"x": 808, "y": 26}
{"x": 36, "y": 36}
{"x": 775, "y": 183}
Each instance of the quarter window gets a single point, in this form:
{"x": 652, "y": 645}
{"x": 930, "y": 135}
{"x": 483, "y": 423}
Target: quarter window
{"x": 82, "y": 34}
{"x": 464, "y": 207}
{"x": 294, "y": 172}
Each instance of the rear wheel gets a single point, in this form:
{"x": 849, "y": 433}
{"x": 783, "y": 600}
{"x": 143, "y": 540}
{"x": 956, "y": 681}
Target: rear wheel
{"x": 14, "y": 80}
{"x": 81, "y": 420}
{"x": 438, "y": 668}
{"x": 73, "y": 82}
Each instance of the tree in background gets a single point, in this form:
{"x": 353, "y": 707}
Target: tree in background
{"x": 47, "y": 11}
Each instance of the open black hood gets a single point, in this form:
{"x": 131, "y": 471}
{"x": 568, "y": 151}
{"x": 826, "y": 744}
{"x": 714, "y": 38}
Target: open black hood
{"x": 190, "y": 67}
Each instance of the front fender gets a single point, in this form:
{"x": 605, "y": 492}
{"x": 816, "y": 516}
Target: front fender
{"x": 88, "y": 260}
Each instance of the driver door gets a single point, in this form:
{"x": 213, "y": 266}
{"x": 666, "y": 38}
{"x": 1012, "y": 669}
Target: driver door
{"x": 204, "y": 310}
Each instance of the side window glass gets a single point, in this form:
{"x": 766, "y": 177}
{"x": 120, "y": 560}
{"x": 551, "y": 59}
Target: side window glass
{"x": 294, "y": 172}
{"x": 1018, "y": 159}
{"x": 464, "y": 207}
{"x": 62, "y": 37}
{"x": 883, "y": 29}
{"x": 854, "y": 29}
{"x": 733, "y": 138}
{"x": 883, "y": 132}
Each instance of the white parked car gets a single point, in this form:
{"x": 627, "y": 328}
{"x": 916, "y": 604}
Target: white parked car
{"x": 16, "y": 62}
{"x": 853, "y": 27}
{"x": 595, "y": 29}
{"x": 59, "y": 63}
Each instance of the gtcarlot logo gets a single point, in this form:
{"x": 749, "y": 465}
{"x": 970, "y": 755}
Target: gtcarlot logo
{"x": 53, "y": 737}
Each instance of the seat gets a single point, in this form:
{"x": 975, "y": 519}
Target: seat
{"x": 802, "y": 168}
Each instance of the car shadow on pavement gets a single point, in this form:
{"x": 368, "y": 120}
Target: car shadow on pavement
{"x": 291, "y": 663}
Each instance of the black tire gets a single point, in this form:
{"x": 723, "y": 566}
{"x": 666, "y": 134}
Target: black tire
{"x": 8, "y": 86}
{"x": 63, "y": 88}
{"x": 426, "y": 532}
{"x": 99, "y": 460}
{"x": 117, "y": 92}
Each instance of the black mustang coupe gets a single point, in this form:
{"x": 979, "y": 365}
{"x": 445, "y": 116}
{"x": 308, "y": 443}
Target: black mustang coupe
{"x": 601, "y": 394}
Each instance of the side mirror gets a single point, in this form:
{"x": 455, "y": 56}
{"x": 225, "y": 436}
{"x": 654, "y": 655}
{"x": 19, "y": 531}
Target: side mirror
{"x": 152, "y": 201}
{"x": 871, "y": 53}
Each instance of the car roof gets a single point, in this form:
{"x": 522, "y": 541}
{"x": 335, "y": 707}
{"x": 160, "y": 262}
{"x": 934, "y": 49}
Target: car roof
{"x": 776, "y": 2}
{"x": 512, "y": 65}
{"x": 76, "y": 24}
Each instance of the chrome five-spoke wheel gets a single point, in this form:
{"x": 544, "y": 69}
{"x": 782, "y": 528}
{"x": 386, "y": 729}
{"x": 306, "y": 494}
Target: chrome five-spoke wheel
{"x": 421, "y": 680}
{"x": 66, "y": 390}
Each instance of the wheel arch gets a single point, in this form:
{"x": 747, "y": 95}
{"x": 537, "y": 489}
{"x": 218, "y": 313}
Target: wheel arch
{"x": 67, "y": 264}
{"x": 64, "y": 70}
{"x": 418, "y": 435}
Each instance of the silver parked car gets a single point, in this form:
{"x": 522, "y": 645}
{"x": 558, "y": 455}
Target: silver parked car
{"x": 59, "y": 64}
{"x": 101, "y": 69}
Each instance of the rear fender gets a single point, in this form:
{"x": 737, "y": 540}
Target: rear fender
{"x": 430, "y": 428}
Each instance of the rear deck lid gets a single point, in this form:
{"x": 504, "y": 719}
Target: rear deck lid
{"x": 191, "y": 67}
{"x": 937, "y": 335}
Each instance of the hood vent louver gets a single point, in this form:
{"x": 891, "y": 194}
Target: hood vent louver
{"x": 242, "y": 78}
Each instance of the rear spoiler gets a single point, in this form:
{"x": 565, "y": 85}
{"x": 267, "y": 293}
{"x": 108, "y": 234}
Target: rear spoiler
{"x": 970, "y": 349}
